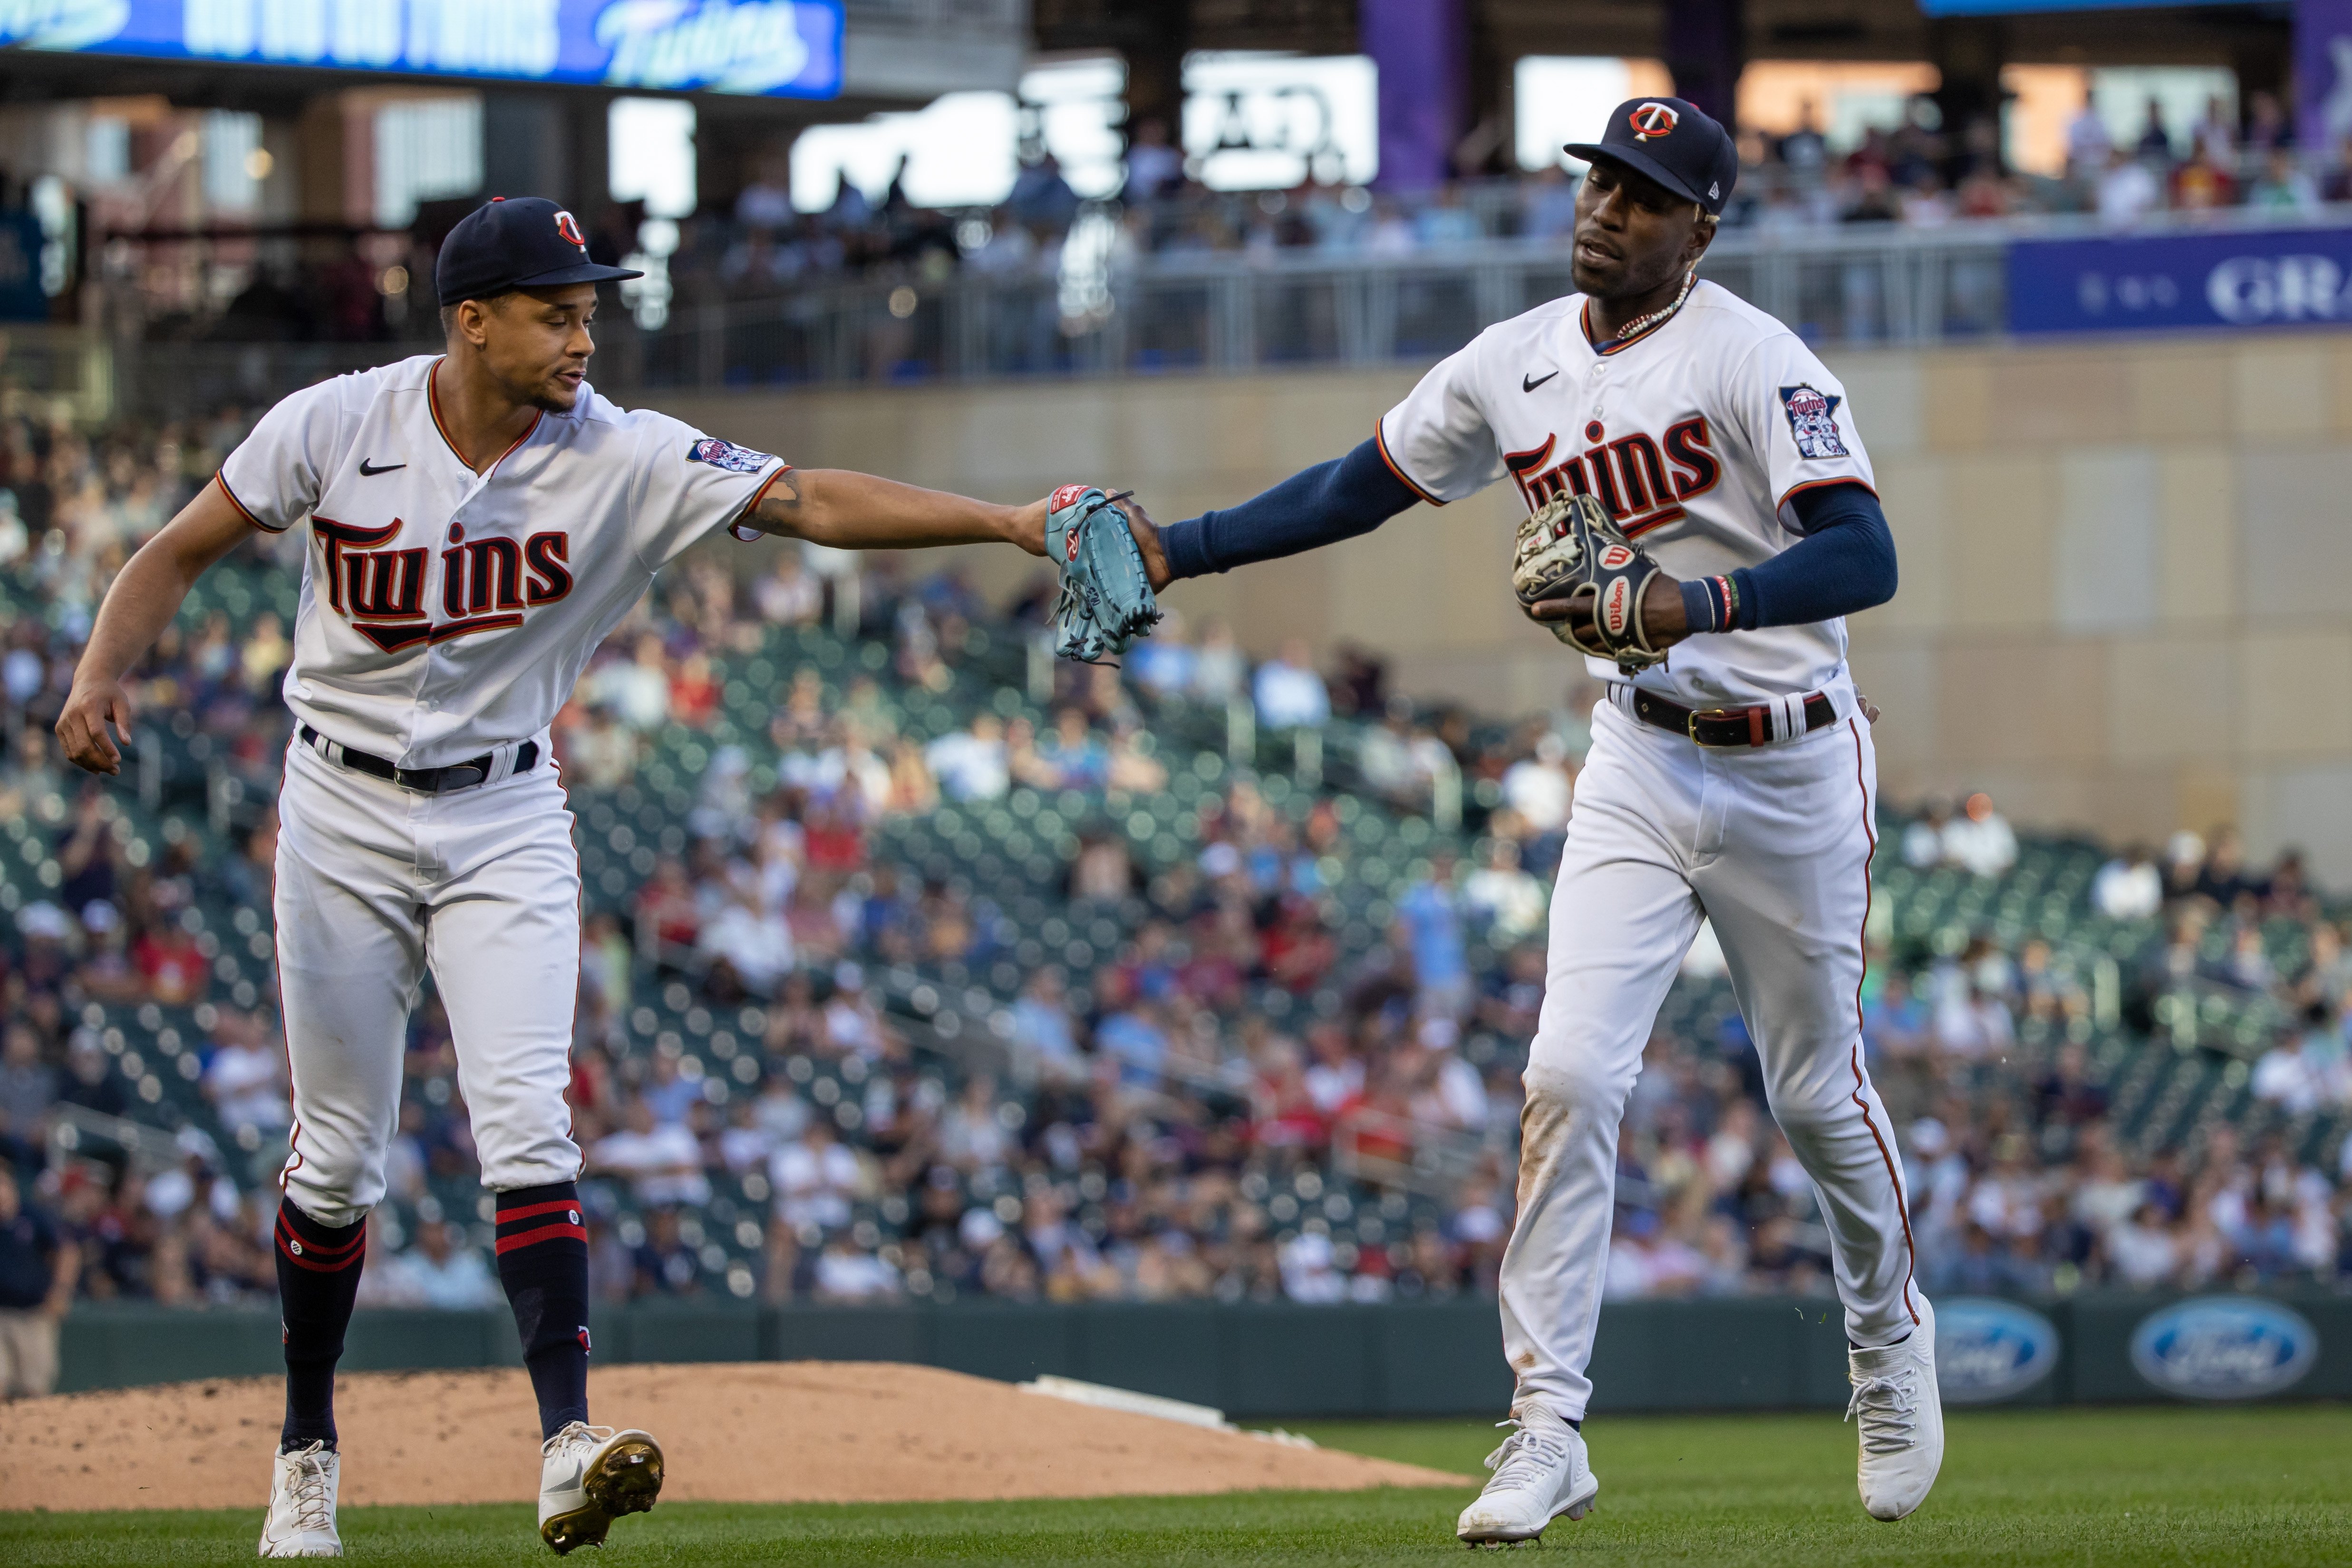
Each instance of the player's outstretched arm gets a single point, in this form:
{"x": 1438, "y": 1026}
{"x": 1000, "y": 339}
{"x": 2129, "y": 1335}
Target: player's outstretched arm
{"x": 142, "y": 602}
{"x": 851, "y": 511}
{"x": 1322, "y": 505}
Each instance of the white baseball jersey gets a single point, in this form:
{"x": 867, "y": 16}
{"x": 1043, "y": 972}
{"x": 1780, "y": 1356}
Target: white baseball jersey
{"x": 1694, "y": 434}
{"x": 443, "y": 611}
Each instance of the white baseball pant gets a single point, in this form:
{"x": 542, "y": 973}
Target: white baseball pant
{"x": 375, "y": 884}
{"x": 1772, "y": 844}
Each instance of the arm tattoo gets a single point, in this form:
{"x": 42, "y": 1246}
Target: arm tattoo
{"x": 780, "y": 506}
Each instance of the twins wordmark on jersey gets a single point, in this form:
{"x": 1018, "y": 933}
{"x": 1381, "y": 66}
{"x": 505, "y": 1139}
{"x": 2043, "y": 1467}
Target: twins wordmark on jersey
{"x": 1694, "y": 434}
{"x": 445, "y": 611}
{"x": 487, "y": 583}
{"x": 1643, "y": 481}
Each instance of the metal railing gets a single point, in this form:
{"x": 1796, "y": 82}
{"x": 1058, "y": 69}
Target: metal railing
{"x": 1855, "y": 285}
{"x": 1224, "y": 311}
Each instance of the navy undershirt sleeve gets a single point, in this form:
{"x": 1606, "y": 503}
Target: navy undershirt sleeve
{"x": 1316, "y": 505}
{"x": 1845, "y": 563}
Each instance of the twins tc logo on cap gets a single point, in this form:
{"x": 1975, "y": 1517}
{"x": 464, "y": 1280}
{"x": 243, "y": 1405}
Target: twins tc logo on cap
{"x": 1654, "y": 118}
{"x": 1813, "y": 420}
{"x": 569, "y": 227}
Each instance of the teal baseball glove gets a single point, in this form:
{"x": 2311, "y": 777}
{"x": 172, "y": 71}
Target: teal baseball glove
{"x": 1107, "y": 601}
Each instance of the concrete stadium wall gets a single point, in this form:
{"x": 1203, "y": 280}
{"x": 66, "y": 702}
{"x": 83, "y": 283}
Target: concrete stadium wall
{"x": 1254, "y": 1360}
{"x": 2123, "y": 564}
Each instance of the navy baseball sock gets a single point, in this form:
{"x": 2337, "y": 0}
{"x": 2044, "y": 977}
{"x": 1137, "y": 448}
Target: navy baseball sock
{"x": 318, "y": 1279}
{"x": 543, "y": 1263}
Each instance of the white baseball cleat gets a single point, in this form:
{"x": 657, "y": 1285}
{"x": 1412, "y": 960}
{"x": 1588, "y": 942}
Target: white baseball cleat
{"x": 1539, "y": 1474}
{"x": 301, "y": 1522}
{"x": 590, "y": 1475}
{"x": 1902, "y": 1419}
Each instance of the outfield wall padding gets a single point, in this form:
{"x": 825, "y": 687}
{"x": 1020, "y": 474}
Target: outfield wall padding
{"x": 1253, "y": 1359}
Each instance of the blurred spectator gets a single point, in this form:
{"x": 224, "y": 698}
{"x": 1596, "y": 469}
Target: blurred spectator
{"x": 1219, "y": 669}
{"x": 661, "y": 1162}
{"x": 2128, "y": 190}
{"x": 2129, "y": 887}
{"x": 1539, "y": 788}
{"x": 1431, "y": 915}
{"x": 440, "y": 1270}
{"x": 247, "y": 1077}
{"x": 1502, "y": 895}
{"x": 790, "y": 595}
{"x": 38, "y": 1267}
{"x": 969, "y": 764}
{"x": 1288, "y": 692}
{"x": 28, "y": 1086}
{"x": 663, "y": 1264}
{"x": 1980, "y": 839}
{"x": 1154, "y": 165}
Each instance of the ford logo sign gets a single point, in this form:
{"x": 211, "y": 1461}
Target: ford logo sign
{"x": 2224, "y": 1347}
{"x": 1988, "y": 1349}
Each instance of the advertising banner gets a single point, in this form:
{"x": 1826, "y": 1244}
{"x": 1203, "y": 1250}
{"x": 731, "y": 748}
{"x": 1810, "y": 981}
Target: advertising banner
{"x": 2224, "y": 1347}
{"x": 1988, "y": 1349}
{"x": 786, "y": 48}
{"x": 2136, "y": 283}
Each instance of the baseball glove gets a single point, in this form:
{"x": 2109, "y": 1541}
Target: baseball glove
{"x": 1107, "y": 601}
{"x": 1569, "y": 549}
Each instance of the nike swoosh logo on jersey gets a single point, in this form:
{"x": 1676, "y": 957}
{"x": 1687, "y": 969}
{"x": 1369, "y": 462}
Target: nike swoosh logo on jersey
{"x": 368, "y": 473}
{"x": 1529, "y": 385}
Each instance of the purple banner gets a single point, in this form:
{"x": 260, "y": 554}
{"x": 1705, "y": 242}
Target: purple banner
{"x": 1421, "y": 48}
{"x": 2323, "y": 74}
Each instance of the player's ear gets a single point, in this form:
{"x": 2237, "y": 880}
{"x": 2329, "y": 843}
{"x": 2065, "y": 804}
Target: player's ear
{"x": 472, "y": 321}
{"x": 1702, "y": 235}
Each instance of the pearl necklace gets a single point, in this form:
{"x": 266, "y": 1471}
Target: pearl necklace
{"x": 1639, "y": 324}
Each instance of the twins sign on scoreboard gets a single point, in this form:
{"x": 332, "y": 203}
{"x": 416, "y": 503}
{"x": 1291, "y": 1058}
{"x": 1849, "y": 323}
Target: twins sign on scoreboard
{"x": 784, "y": 48}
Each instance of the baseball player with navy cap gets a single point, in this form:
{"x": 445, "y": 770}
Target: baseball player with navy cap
{"x": 1725, "y": 523}
{"x": 478, "y": 521}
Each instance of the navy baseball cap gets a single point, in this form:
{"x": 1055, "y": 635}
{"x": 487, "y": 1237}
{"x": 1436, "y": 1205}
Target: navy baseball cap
{"x": 527, "y": 242}
{"x": 1675, "y": 142}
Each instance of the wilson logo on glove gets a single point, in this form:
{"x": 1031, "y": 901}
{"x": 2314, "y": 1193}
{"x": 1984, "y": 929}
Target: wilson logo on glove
{"x": 1569, "y": 550}
{"x": 1613, "y": 612}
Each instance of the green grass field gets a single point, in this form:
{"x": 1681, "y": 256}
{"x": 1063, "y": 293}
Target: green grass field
{"x": 2074, "y": 1488}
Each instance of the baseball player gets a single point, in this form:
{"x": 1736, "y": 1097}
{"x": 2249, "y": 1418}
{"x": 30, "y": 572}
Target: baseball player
{"x": 479, "y": 521}
{"x": 1703, "y": 518}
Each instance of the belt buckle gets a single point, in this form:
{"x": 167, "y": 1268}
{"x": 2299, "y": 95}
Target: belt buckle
{"x": 1690, "y": 726}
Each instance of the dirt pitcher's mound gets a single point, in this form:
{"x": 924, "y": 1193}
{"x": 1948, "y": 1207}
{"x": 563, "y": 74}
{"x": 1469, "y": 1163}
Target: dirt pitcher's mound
{"x": 762, "y": 1432}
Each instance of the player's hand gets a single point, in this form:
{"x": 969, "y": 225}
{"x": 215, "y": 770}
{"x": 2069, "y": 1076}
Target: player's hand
{"x": 1663, "y": 621}
{"x": 1147, "y": 539}
{"x": 81, "y": 728}
{"x": 1869, "y": 710}
{"x": 1028, "y": 526}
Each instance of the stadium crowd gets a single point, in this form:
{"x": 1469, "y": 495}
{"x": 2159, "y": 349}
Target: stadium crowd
{"x": 1143, "y": 1124}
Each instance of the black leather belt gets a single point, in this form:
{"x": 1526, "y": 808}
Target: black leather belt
{"x": 1748, "y": 726}
{"x": 423, "y": 781}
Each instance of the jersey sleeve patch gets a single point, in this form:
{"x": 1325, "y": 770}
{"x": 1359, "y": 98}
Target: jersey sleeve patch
{"x": 1813, "y": 420}
{"x": 726, "y": 455}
